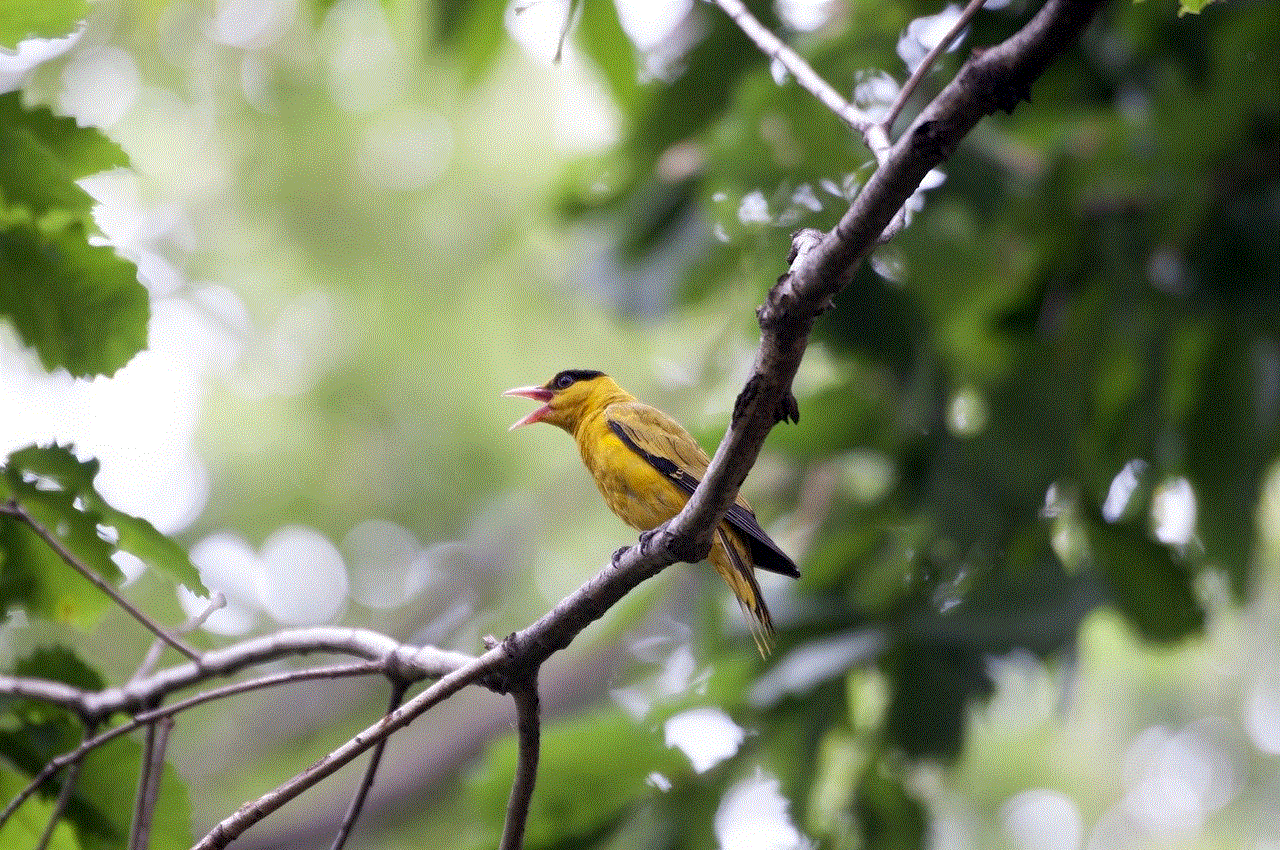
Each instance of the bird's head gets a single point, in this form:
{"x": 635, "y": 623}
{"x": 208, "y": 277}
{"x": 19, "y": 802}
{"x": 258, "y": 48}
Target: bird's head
{"x": 567, "y": 397}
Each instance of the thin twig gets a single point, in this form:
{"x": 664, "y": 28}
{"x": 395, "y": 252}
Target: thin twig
{"x": 774, "y": 48}
{"x": 64, "y": 799}
{"x": 153, "y": 750}
{"x": 398, "y": 687}
{"x": 917, "y": 75}
{"x": 216, "y": 600}
{"x": 73, "y": 758}
{"x": 529, "y": 732}
{"x": 13, "y": 509}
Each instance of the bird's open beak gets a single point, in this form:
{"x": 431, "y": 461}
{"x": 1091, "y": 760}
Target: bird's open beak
{"x": 537, "y": 394}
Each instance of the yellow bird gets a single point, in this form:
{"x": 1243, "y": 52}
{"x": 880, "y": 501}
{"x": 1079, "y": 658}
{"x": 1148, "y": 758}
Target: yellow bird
{"x": 646, "y": 466}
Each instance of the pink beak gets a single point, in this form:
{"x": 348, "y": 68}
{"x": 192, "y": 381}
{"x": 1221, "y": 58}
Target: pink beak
{"x": 537, "y": 394}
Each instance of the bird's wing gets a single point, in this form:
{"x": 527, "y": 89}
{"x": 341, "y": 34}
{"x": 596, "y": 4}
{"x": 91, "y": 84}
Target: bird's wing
{"x": 673, "y": 451}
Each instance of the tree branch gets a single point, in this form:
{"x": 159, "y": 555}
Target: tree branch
{"x": 490, "y": 664}
{"x": 64, "y": 798}
{"x": 941, "y": 47}
{"x": 153, "y": 750}
{"x": 71, "y": 760}
{"x": 774, "y": 48}
{"x": 821, "y": 266}
{"x": 397, "y": 659}
{"x": 529, "y": 732}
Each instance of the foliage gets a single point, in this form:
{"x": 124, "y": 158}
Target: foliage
{"x": 22, "y": 19}
{"x": 78, "y": 305}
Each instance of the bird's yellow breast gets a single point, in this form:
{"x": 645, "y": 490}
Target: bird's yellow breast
{"x": 640, "y": 495}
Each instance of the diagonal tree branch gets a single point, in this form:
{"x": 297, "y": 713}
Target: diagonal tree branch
{"x": 998, "y": 78}
{"x": 770, "y": 45}
{"x": 492, "y": 663}
{"x": 944, "y": 43}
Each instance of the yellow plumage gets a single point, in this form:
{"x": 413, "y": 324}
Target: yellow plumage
{"x": 646, "y": 466}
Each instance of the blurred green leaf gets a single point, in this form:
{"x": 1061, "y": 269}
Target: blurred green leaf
{"x": 474, "y": 30}
{"x": 891, "y": 818}
{"x": 1153, "y": 591}
{"x": 60, "y": 664}
{"x": 102, "y": 806}
{"x": 1192, "y": 6}
{"x": 21, "y": 19}
{"x": 79, "y": 306}
{"x": 603, "y": 39}
{"x": 573, "y": 761}
{"x": 102, "y": 803}
{"x": 41, "y": 157}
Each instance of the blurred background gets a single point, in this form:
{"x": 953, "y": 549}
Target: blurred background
{"x": 1033, "y": 490}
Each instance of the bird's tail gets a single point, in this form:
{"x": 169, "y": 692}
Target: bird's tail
{"x": 729, "y": 557}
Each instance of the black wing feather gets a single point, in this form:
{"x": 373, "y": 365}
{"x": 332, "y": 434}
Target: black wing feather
{"x": 765, "y": 554}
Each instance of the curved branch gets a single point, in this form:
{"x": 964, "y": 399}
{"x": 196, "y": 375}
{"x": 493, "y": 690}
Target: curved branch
{"x": 529, "y": 731}
{"x": 997, "y": 78}
{"x": 944, "y": 43}
{"x": 400, "y": 660}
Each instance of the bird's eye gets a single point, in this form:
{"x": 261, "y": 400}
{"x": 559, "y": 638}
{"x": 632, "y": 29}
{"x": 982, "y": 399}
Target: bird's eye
{"x": 563, "y": 381}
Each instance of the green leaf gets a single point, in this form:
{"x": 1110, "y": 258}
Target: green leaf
{"x": 41, "y": 157}
{"x": 60, "y": 664}
{"x": 474, "y": 30}
{"x": 933, "y": 686}
{"x": 56, "y": 488}
{"x": 136, "y": 535}
{"x": 33, "y": 576}
{"x": 102, "y": 803}
{"x": 140, "y": 538}
{"x": 79, "y": 306}
{"x": 1151, "y": 589}
{"x": 1232, "y": 439}
{"x": 1193, "y": 7}
{"x": 891, "y": 819}
{"x": 22, "y": 19}
{"x": 603, "y": 39}
{"x": 572, "y": 760}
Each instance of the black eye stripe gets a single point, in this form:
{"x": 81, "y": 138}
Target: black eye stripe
{"x": 565, "y": 379}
